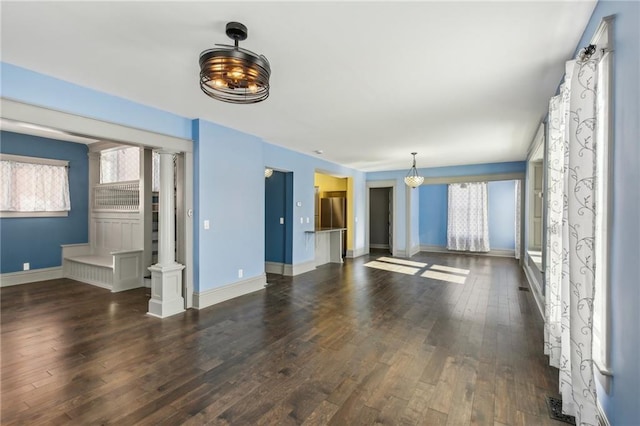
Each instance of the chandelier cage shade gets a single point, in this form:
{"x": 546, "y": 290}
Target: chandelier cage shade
{"x": 268, "y": 172}
{"x": 233, "y": 74}
{"x": 413, "y": 179}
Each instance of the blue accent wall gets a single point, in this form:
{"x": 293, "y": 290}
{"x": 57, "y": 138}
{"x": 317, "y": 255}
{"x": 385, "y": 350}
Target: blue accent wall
{"x": 37, "y": 240}
{"x": 502, "y": 213}
{"x": 621, "y": 402}
{"x": 433, "y": 215}
{"x": 400, "y": 213}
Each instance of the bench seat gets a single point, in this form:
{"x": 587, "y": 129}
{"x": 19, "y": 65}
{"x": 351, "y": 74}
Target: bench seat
{"x": 117, "y": 271}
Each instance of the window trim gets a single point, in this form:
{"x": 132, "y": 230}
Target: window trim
{"x": 5, "y": 214}
{"x": 601, "y": 355}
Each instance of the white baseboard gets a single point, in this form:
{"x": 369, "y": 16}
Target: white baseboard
{"x": 299, "y": 268}
{"x": 274, "y": 268}
{"x": 357, "y": 252}
{"x": 496, "y": 252}
{"x": 414, "y": 250}
{"x": 34, "y": 275}
{"x": 537, "y": 296}
{"x": 220, "y": 294}
{"x": 399, "y": 253}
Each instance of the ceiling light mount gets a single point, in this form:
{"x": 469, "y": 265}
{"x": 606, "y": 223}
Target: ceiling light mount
{"x": 413, "y": 179}
{"x": 233, "y": 74}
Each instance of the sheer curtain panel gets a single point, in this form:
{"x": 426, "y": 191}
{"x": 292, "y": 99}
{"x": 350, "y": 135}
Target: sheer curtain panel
{"x": 32, "y": 187}
{"x": 468, "y": 227}
{"x": 569, "y": 278}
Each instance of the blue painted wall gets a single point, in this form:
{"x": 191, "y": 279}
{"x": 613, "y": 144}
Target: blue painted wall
{"x": 621, "y": 403}
{"x": 433, "y": 215}
{"x": 400, "y": 212}
{"x": 303, "y": 168}
{"x": 501, "y": 212}
{"x": 38, "y": 240}
{"x": 278, "y": 204}
{"x": 229, "y": 187}
{"x": 38, "y": 89}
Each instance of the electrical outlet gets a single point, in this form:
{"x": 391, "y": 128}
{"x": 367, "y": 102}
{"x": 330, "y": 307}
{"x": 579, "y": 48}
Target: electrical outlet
{"x": 207, "y": 225}
{"x": 240, "y": 273}
{"x": 26, "y": 266}
{"x": 307, "y": 220}
{"x": 282, "y": 221}
{"x": 301, "y": 220}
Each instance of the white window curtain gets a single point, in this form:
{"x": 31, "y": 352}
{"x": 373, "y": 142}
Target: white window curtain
{"x": 467, "y": 227}
{"x": 31, "y": 187}
{"x": 120, "y": 165}
{"x": 569, "y": 278}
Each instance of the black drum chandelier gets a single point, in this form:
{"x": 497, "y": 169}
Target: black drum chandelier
{"x": 233, "y": 74}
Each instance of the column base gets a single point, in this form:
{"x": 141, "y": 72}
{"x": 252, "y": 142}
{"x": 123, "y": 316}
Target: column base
{"x": 166, "y": 290}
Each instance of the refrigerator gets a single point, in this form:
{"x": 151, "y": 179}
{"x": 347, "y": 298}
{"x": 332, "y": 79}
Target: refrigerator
{"x": 333, "y": 214}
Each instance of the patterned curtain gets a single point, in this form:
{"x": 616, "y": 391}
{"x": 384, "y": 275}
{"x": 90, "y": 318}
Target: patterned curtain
{"x": 468, "y": 227}
{"x": 30, "y": 187}
{"x": 569, "y": 277}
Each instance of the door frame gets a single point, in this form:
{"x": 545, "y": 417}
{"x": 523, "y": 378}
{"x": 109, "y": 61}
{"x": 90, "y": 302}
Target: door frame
{"x": 382, "y": 184}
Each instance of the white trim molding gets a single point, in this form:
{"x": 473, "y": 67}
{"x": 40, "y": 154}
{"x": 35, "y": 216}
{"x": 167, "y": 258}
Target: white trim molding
{"x": 299, "y": 268}
{"x": 216, "y": 295}
{"x": 493, "y": 252}
{"x": 357, "y": 252}
{"x": 274, "y": 267}
{"x": 31, "y": 276}
{"x": 602, "y": 416}
{"x": 537, "y": 296}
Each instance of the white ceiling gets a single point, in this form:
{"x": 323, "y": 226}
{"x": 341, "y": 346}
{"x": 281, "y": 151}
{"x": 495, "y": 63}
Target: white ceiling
{"x": 367, "y": 83}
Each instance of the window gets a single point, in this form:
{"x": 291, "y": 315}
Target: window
{"x": 120, "y": 165}
{"x": 602, "y": 202}
{"x": 123, "y": 164}
{"x": 32, "y": 186}
{"x": 467, "y": 218}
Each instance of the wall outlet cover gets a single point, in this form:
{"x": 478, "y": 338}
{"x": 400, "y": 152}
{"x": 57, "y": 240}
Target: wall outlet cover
{"x": 26, "y": 266}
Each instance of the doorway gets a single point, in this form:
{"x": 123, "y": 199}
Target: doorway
{"x": 381, "y": 219}
{"x": 278, "y": 223}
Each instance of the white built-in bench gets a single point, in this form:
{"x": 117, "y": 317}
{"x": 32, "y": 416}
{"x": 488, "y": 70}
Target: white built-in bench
{"x": 116, "y": 270}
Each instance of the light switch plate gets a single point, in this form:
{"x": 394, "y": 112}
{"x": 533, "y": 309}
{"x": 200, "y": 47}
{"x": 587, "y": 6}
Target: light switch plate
{"x": 299, "y": 204}
{"x": 206, "y": 224}
{"x": 282, "y": 221}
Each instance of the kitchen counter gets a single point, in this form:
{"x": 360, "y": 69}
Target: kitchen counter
{"x": 328, "y": 245}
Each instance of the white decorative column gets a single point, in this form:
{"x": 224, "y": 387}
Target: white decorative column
{"x": 166, "y": 275}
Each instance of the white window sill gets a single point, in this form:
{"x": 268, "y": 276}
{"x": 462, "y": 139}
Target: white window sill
{"x": 6, "y": 214}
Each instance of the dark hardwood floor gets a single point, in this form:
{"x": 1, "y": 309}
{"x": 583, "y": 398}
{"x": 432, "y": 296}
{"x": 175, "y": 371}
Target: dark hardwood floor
{"x": 344, "y": 344}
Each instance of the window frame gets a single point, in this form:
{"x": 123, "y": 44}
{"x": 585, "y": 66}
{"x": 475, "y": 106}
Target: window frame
{"x": 601, "y": 346}
{"x": 35, "y": 160}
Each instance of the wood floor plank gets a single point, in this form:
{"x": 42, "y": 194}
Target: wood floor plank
{"x": 343, "y": 344}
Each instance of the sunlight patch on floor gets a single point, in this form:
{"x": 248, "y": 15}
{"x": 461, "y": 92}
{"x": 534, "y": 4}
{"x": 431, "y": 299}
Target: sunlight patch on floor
{"x": 450, "y": 269}
{"x": 392, "y": 267}
{"x": 403, "y": 262}
{"x": 444, "y": 277}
